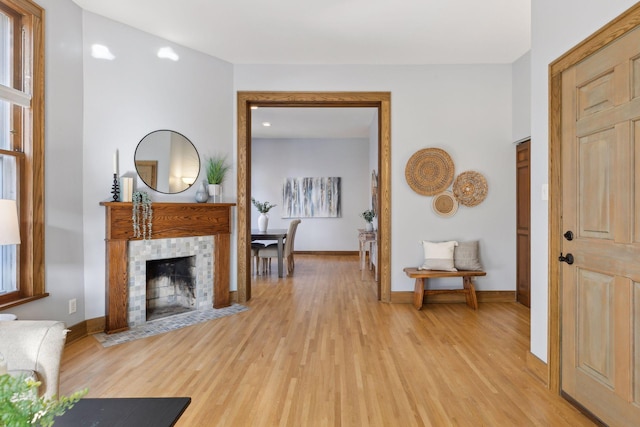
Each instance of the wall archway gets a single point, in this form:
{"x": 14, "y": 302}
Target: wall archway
{"x": 379, "y": 100}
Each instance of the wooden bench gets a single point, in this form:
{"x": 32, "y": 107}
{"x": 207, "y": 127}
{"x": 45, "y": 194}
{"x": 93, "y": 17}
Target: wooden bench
{"x": 422, "y": 276}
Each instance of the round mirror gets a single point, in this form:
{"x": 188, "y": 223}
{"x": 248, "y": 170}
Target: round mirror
{"x": 167, "y": 161}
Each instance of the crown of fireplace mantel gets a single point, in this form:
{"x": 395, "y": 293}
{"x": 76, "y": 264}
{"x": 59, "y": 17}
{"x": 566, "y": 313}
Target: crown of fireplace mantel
{"x": 170, "y": 220}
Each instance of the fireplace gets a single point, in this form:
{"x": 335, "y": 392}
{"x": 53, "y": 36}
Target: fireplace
{"x": 124, "y": 300}
{"x": 180, "y": 272}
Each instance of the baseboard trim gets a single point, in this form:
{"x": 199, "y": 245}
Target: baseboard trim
{"x": 76, "y": 332}
{"x": 406, "y": 297}
{"x": 331, "y": 253}
{"x": 85, "y": 328}
{"x": 537, "y": 368}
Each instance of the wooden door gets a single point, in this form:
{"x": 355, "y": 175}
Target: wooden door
{"x": 523, "y": 245}
{"x": 600, "y": 349}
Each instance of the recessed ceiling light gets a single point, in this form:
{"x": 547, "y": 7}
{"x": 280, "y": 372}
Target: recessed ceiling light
{"x": 167, "y": 53}
{"x": 266, "y": 124}
{"x": 100, "y": 51}
{"x": 254, "y": 107}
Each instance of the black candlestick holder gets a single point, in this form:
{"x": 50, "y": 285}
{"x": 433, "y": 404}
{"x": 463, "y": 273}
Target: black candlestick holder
{"x": 115, "y": 188}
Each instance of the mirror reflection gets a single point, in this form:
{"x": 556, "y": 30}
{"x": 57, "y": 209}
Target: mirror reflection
{"x": 167, "y": 161}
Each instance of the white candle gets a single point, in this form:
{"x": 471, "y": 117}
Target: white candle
{"x": 115, "y": 162}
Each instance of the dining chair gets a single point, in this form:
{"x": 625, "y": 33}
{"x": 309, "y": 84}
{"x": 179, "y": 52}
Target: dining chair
{"x": 255, "y": 260}
{"x": 271, "y": 251}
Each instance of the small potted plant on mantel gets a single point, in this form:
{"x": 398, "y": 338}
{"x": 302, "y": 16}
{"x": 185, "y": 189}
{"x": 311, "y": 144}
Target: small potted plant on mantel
{"x": 217, "y": 168}
{"x": 263, "y": 208}
{"x": 368, "y": 216}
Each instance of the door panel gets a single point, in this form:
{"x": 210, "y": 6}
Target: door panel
{"x": 601, "y": 201}
{"x": 523, "y": 221}
{"x": 596, "y": 184}
{"x": 594, "y": 328}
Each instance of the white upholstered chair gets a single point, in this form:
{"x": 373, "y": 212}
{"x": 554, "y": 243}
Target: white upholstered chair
{"x": 271, "y": 251}
{"x": 34, "y": 347}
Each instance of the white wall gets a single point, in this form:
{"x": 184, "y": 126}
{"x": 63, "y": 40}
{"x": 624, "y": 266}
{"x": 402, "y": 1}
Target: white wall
{"x": 465, "y": 110}
{"x": 129, "y": 97}
{"x": 273, "y": 160}
{"x": 521, "y": 99}
{"x": 556, "y": 28}
{"x": 63, "y": 166}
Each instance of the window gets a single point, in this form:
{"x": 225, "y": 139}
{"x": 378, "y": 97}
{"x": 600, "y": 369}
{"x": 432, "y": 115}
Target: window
{"x": 22, "y": 147}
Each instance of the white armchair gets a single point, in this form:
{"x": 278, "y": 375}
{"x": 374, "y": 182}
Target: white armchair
{"x": 35, "y": 345}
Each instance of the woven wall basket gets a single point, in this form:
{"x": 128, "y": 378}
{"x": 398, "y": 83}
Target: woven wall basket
{"x": 429, "y": 171}
{"x": 470, "y": 188}
{"x": 444, "y": 204}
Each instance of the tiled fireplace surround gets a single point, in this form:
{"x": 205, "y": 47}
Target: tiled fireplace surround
{"x": 203, "y": 229}
{"x": 142, "y": 251}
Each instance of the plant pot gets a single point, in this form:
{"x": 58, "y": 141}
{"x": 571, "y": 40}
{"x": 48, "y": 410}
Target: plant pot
{"x": 215, "y": 192}
{"x": 263, "y": 222}
{"x": 368, "y": 226}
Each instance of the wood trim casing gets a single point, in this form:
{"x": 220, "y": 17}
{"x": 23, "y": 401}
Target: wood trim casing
{"x": 170, "y": 220}
{"x": 615, "y": 29}
{"x": 379, "y": 100}
{"x": 31, "y": 161}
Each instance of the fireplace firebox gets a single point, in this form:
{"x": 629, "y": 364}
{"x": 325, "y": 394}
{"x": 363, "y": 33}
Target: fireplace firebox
{"x": 171, "y": 287}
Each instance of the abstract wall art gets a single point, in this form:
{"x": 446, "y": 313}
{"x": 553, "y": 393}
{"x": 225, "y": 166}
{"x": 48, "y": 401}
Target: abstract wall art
{"x": 311, "y": 197}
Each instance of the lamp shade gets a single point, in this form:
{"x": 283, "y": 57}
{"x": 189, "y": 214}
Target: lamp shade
{"x": 9, "y": 228}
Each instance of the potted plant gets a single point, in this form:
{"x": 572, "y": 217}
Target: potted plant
{"x": 21, "y": 406}
{"x": 368, "y": 216}
{"x": 217, "y": 168}
{"x": 142, "y": 215}
{"x": 263, "y": 208}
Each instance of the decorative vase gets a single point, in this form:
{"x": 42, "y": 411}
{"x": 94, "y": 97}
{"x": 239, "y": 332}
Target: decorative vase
{"x": 368, "y": 226}
{"x": 202, "y": 195}
{"x": 263, "y": 222}
{"x": 215, "y": 191}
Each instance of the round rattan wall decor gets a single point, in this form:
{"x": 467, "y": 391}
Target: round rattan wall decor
{"x": 445, "y": 204}
{"x": 429, "y": 171}
{"x": 470, "y": 188}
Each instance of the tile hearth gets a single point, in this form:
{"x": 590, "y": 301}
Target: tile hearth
{"x": 167, "y": 324}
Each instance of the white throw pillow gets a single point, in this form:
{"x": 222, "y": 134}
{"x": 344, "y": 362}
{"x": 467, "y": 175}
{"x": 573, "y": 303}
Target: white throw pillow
{"x": 438, "y": 255}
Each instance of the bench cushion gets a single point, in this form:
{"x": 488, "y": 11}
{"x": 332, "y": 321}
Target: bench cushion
{"x": 438, "y": 255}
{"x": 465, "y": 256}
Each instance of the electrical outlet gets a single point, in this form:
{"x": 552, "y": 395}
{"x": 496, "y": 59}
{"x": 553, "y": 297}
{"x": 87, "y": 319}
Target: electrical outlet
{"x": 72, "y": 306}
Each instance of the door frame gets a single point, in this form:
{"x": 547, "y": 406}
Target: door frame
{"x": 612, "y": 31}
{"x": 379, "y": 100}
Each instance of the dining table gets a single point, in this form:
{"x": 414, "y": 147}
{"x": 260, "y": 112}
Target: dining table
{"x": 277, "y": 234}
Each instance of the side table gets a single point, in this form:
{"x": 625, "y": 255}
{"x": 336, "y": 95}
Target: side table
{"x": 368, "y": 240}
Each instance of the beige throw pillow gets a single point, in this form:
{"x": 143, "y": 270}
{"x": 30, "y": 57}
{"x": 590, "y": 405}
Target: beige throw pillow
{"x": 438, "y": 255}
{"x": 465, "y": 256}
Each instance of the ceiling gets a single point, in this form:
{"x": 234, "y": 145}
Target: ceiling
{"x": 312, "y": 122}
{"x": 334, "y": 31}
{"x": 399, "y": 32}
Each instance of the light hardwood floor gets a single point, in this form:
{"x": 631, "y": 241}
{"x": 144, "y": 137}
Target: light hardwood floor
{"x": 319, "y": 350}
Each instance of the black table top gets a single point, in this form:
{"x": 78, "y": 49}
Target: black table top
{"x": 124, "y": 412}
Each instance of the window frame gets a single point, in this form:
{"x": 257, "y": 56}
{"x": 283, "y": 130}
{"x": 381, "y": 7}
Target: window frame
{"x": 28, "y": 149}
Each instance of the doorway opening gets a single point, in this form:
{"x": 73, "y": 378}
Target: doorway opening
{"x": 378, "y": 100}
